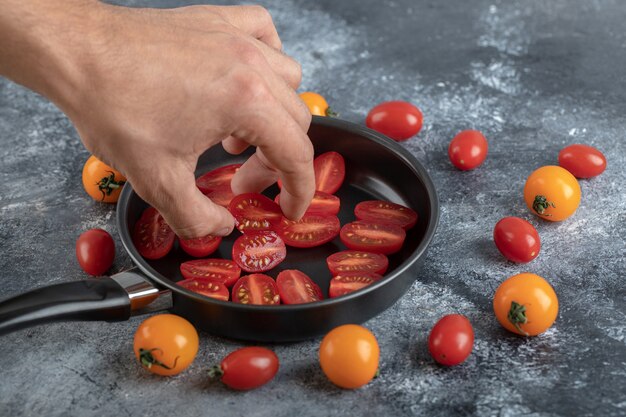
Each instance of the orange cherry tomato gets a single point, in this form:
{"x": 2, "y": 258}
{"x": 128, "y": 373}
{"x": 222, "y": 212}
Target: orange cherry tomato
{"x": 552, "y": 193}
{"x": 349, "y": 356}
{"x": 526, "y": 304}
{"x": 102, "y": 182}
{"x": 165, "y": 344}
{"x": 317, "y": 104}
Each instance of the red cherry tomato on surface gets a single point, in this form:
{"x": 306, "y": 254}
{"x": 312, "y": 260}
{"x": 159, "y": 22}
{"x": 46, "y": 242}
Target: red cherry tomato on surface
{"x": 152, "y": 236}
{"x": 256, "y": 289}
{"x": 296, "y": 287}
{"x": 451, "y": 340}
{"x": 582, "y": 161}
{"x": 218, "y": 178}
{"x": 259, "y": 252}
{"x": 357, "y": 261}
{"x": 223, "y": 270}
{"x": 372, "y": 237}
{"x": 516, "y": 239}
{"x": 254, "y": 212}
{"x": 379, "y": 211}
{"x": 397, "y": 119}
{"x": 323, "y": 204}
{"x": 95, "y": 251}
{"x": 201, "y": 246}
{"x": 468, "y": 150}
{"x": 309, "y": 231}
{"x": 247, "y": 368}
{"x": 207, "y": 287}
{"x": 351, "y": 281}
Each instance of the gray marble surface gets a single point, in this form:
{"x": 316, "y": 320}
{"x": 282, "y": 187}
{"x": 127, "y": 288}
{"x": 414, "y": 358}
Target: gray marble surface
{"x": 534, "y": 76}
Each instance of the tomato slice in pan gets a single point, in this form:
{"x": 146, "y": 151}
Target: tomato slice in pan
{"x": 330, "y": 171}
{"x": 222, "y": 270}
{"x": 254, "y": 212}
{"x": 207, "y": 287}
{"x": 200, "y": 246}
{"x": 386, "y": 212}
{"x": 221, "y": 196}
{"x": 348, "y": 261}
{"x": 373, "y": 237}
{"x": 323, "y": 204}
{"x": 350, "y": 282}
{"x": 256, "y": 289}
{"x": 218, "y": 178}
{"x": 152, "y": 236}
{"x": 311, "y": 230}
{"x": 259, "y": 252}
{"x": 296, "y": 287}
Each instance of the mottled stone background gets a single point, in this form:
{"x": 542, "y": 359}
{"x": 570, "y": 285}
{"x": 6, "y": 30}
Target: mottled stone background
{"x": 534, "y": 76}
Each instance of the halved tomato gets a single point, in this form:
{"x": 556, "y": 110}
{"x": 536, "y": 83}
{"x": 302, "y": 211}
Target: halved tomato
{"x": 254, "y": 212}
{"x": 152, "y": 236}
{"x": 357, "y": 261}
{"x": 207, "y": 287}
{"x": 256, "y": 289}
{"x": 323, "y": 204}
{"x": 330, "y": 171}
{"x": 222, "y": 270}
{"x": 221, "y": 196}
{"x": 311, "y": 230}
{"x": 259, "y": 251}
{"x": 296, "y": 287}
{"x": 373, "y": 237}
{"x": 350, "y": 282}
{"x": 200, "y": 246}
{"x": 218, "y": 178}
{"x": 379, "y": 211}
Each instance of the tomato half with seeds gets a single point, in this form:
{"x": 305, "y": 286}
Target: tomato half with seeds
{"x": 207, "y": 287}
{"x": 373, "y": 237}
{"x": 200, "y": 246}
{"x": 247, "y": 368}
{"x": 468, "y": 150}
{"x": 259, "y": 252}
{"x": 152, "y": 236}
{"x": 255, "y": 212}
{"x": 222, "y": 270}
{"x": 330, "y": 171}
{"x": 323, "y": 204}
{"x": 552, "y": 193}
{"x": 451, "y": 340}
{"x": 348, "y": 282}
{"x": 397, "y": 119}
{"x": 296, "y": 287}
{"x": 357, "y": 261}
{"x": 379, "y": 211}
{"x": 95, "y": 251}
{"x": 257, "y": 289}
{"x": 102, "y": 182}
{"x": 516, "y": 239}
{"x": 217, "y": 178}
{"x": 582, "y": 161}
{"x": 317, "y": 104}
{"x": 311, "y": 230}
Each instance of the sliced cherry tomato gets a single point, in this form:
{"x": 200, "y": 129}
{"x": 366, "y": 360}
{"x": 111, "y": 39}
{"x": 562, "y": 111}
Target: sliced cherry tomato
{"x": 330, "y": 171}
{"x": 102, "y": 182}
{"x": 317, "y": 104}
{"x": 516, "y": 239}
{"x": 526, "y": 304}
{"x": 256, "y": 289}
{"x": 552, "y": 193}
{"x": 222, "y": 270}
{"x": 165, "y": 344}
{"x": 207, "y": 287}
{"x": 348, "y": 261}
{"x": 152, "y": 236}
{"x": 397, "y": 119}
{"x": 311, "y": 230}
{"x": 254, "y": 212}
{"x": 296, "y": 287}
{"x": 451, "y": 340}
{"x": 582, "y": 161}
{"x": 348, "y": 282}
{"x": 218, "y": 178}
{"x": 379, "y": 211}
{"x": 247, "y": 368}
{"x": 95, "y": 251}
{"x": 372, "y": 237}
{"x": 468, "y": 150}
{"x": 259, "y": 252}
{"x": 323, "y": 204}
{"x": 349, "y": 356}
{"x": 221, "y": 196}
{"x": 200, "y": 246}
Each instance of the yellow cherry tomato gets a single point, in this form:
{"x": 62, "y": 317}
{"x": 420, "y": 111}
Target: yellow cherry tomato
{"x": 552, "y": 193}
{"x": 349, "y": 356}
{"x": 526, "y": 304}
{"x": 317, "y": 104}
{"x": 102, "y": 182}
{"x": 165, "y": 344}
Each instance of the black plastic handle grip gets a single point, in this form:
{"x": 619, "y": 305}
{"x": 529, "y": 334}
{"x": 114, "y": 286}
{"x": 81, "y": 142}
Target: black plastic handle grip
{"x": 91, "y": 299}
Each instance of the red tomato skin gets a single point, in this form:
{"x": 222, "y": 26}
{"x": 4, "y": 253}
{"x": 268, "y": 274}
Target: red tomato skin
{"x": 268, "y": 239}
{"x": 249, "y": 367}
{"x": 351, "y": 281}
{"x": 289, "y": 279}
{"x": 217, "y": 178}
{"x": 260, "y": 279}
{"x": 468, "y": 150}
{"x": 582, "y": 161}
{"x": 221, "y": 270}
{"x": 199, "y": 285}
{"x": 386, "y": 248}
{"x": 254, "y": 212}
{"x": 330, "y": 171}
{"x": 516, "y": 239}
{"x": 323, "y": 204}
{"x": 373, "y": 210}
{"x": 451, "y": 340}
{"x": 378, "y": 262}
{"x": 201, "y": 246}
{"x": 151, "y": 216}
{"x": 328, "y": 229}
{"x": 95, "y": 251}
{"x": 397, "y": 119}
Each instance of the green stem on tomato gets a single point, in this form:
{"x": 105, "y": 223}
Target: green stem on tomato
{"x": 148, "y": 360}
{"x": 517, "y": 316}
{"x": 216, "y": 371}
{"x": 331, "y": 113}
{"x": 541, "y": 203}
{"x": 108, "y": 184}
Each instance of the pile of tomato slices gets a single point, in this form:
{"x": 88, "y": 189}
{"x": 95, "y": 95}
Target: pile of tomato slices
{"x": 379, "y": 229}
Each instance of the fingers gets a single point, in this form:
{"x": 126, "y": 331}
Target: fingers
{"x": 285, "y": 66}
{"x": 255, "y": 21}
{"x": 255, "y": 175}
{"x": 234, "y": 146}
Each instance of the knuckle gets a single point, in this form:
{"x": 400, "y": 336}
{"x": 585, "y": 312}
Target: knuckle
{"x": 261, "y": 13}
{"x": 250, "y": 55}
{"x": 249, "y": 86}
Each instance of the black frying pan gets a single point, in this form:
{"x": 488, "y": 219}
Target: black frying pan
{"x": 376, "y": 168}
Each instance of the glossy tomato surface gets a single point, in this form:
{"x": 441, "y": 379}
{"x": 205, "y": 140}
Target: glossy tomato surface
{"x": 311, "y": 230}
{"x": 102, "y": 182}
{"x": 323, "y": 204}
{"x": 552, "y": 193}
{"x": 257, "y": 289}
{"x": 397, "y": 119}
{"x": 516, "y": 239}
{"x": 152, "y": 236}
{"x": 200, "y": 246}
{"x": 259, "y": 252}
{"x": 221, "y": 196}
{"x": 95, "y": 251}
{"x": 373, "y": 237}
{"x": 217, "y": 178}
{"x": 317, "y": 104}
{"x": 330, "y": 171}
{"x": 379, "y": 211}
{"x": 468, "y": 150}
{"x": 255, "y": 212}
{"x": 451, "y": 340}
{"x": 295, "y": 287}
{"x": 582, "y": 161}
{"x": 348, "y": 282}
{"x": 357, "y": 261}
{"x": 249, "y": 367}
{"x": 207, "y": 287}
{"x": 222, "y": 270}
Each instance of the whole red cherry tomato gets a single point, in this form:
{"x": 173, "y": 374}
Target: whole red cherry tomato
{"x": 468, "y": 150}
{"x": 397, "y": 119}
{"x": 95, "y": 251}
{"x": 582, "y": 161}
{"x": 247, "y": 368}
{"x": 516, "y": 239}
{"x": 451, "y": 340}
